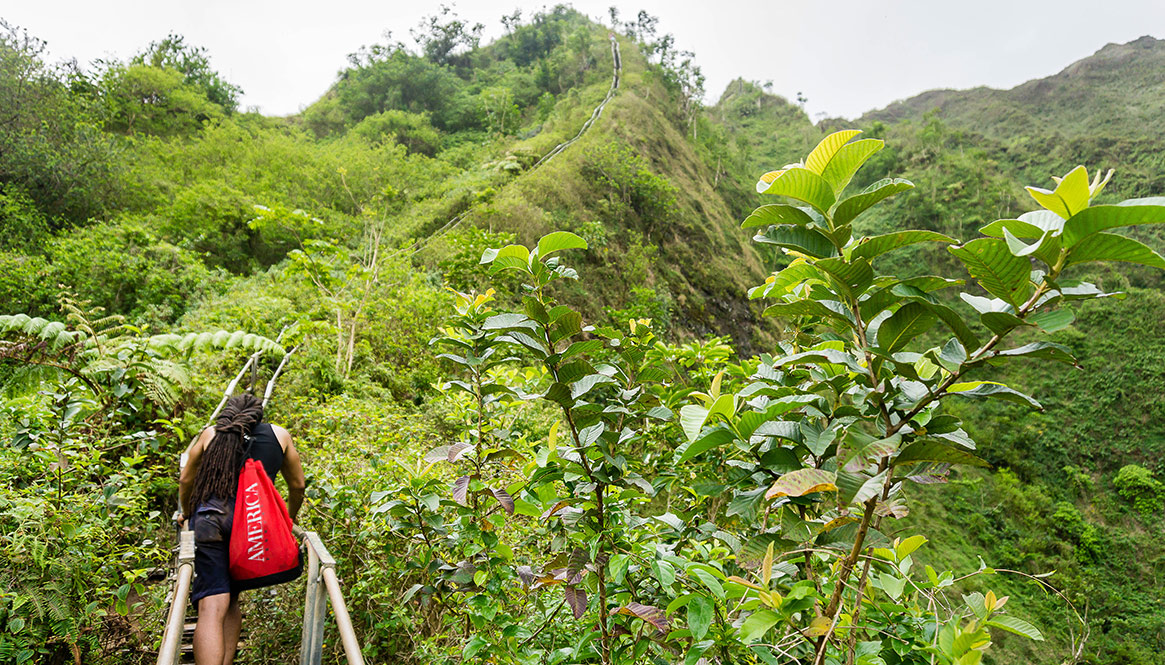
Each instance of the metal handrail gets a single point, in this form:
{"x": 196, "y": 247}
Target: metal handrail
{"x": 321, "y": 569}
{"x": 175, "y": 622}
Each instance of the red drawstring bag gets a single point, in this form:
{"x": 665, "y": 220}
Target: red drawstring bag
{"x": 263, "y": 550}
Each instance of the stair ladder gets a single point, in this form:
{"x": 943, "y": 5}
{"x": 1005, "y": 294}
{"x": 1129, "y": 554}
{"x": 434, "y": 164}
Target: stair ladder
{"x": 322, "y": 585}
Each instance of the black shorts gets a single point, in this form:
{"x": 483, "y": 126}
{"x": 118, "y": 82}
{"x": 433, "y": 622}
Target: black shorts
{"x": 211, "y": 524}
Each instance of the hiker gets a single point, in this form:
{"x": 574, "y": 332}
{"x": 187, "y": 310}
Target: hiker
{"x": 206, "y": 493}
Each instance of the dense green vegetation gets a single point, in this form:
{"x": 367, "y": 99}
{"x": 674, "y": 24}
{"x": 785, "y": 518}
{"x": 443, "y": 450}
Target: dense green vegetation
{"x": 141, "y": 212}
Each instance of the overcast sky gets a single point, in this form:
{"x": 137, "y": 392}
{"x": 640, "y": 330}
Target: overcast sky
{"x": 845, "y": 56}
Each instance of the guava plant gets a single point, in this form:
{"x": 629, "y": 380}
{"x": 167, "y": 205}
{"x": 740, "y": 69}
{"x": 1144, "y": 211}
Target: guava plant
{"x": 848, "y": 413}
{"x": 768, "y": 533}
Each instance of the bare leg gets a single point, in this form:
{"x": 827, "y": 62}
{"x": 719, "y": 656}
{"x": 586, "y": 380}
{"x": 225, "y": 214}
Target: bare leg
{"x": 208, "y": 633}
{"x": 232, "y": 624}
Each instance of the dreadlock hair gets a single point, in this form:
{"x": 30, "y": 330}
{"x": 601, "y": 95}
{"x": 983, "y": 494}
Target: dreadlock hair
{"x": 218, "y": 474}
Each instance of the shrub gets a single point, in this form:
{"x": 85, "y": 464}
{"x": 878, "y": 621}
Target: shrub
{"x": 1137, "y": 484}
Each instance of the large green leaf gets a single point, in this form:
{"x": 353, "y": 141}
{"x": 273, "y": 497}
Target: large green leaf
{"x": 757, "y": 624}
{"x": 798, "y": 238}
{"x": 820, "y": 157}
{"x": 847, "y": 160}
{"x": 776, "y": 213}
{"x": 1000, "y": 322}
{"x": 1125, "y": 213}
{"x": 855, "y": 205}
{"x": 1015, "y": 625}
{"x": 929, "y": 450}
{"x": 851, "y": 277}
{"x": 1053, "y": 320}
{"x": 1032, "y": 224}
{"x": 1018, "y": 228}
{"x": 692, "y": 417}
{"x": 870, "y": 488}
{"x": 801, "y": 184}
{"x": 949, "y": 316}
{"x": 886, "y": 297}
{"x": 992, "y": 389}
{"x": 1070, "y": 197}
{"x": 559, "y": 240}
{"x": 1111, "y": 247}
{"x": 866, "y": 453}
{"x": 832, "y": 356}
{"x": 910, "y": 321}
{"x": 511, "y": 256}
{"x": 700, "y": 616}
{"x": 807, "y": 308}
{"x": 877, "y": 245}
{"x": 713, "y": 439}
{"x": 992, "y": 264}
{"x": 1043, "y": 350}
{"x": 782, "y": 282}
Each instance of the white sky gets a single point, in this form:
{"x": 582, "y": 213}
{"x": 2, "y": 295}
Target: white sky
{"x": 846, "y": 56}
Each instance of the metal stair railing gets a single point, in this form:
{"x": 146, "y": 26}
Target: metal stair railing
{"x": 172, "y": 637}
{"x": 321, "y": 572}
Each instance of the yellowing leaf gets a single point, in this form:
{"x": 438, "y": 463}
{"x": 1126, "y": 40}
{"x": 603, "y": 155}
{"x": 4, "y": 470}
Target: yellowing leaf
{"x": 970, "y": 385}
{"x": 1070, "y": 197}
{"x": 743, "y": 582}
{"x": 817, "y": 627}
{"x": 1097, "y": 185}
{"x": 716, "y": 381}
{"x": 819, "y": 158}
{"x": 802, "y": 482}
{"x": 766, "y": 571}
{"x": 771, "y": 176}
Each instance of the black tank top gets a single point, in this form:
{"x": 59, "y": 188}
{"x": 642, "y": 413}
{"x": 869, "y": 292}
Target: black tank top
{"x": 266, "y": 450}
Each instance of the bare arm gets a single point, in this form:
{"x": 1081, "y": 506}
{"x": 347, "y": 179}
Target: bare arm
{"x": 186, "y": 478}
{"x": 292, "y": 472}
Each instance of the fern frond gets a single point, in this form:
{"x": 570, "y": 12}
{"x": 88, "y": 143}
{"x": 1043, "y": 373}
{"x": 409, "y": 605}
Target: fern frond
{"x": 221, "y": 339}
{"x": 56, "y": 334}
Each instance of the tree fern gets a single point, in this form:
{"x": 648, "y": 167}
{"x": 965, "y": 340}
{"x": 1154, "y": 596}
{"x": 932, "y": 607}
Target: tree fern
{"x": 221, "y": 339}
{"x": 55, "y": 333}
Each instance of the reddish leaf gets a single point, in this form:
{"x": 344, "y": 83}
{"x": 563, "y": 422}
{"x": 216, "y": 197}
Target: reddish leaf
{"x": 578, "y": 564}
{"x": 457, "y": 450}
{"x": 438, "y": 454}
{"x": 893, "y": 508}
{"x": 460, "y": 490}
{"x": 935, "y": 475}
{"x": 526, "y": 574}
{"x": 650, "y": 614}
{"x": 556, "y": 507}
{"x": 576, "y": 597}
{"x": 505, "y": 499}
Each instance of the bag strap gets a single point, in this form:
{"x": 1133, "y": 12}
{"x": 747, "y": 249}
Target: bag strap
{"x": 250, "y": 439}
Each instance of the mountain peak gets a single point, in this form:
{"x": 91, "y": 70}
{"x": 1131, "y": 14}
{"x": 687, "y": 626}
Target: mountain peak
{"x": 1076, "y": 101}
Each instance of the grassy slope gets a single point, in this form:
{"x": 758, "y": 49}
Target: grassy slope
{"x": 696, "y": 257}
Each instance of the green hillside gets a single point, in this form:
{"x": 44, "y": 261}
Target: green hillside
{"x": 142, "y": 213}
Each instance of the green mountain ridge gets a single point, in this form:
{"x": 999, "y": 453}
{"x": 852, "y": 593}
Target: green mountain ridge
{"x": 1119, "y": 90}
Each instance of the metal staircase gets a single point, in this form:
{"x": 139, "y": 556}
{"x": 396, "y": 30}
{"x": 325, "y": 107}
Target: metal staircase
{"x": 322, "y": 586}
